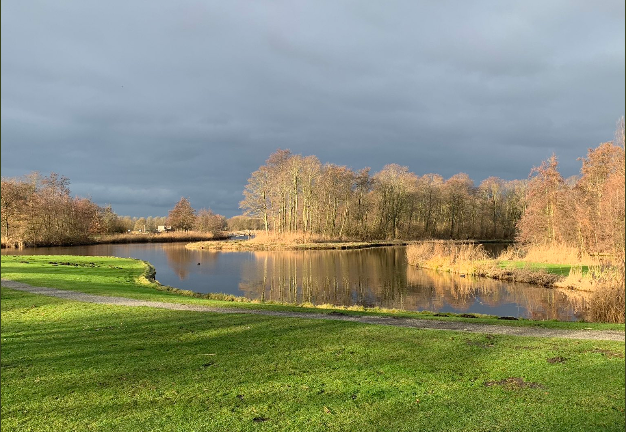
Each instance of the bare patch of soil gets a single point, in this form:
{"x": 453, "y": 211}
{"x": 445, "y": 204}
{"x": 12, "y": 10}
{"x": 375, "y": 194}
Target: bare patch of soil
{"x": 608, "y": 353}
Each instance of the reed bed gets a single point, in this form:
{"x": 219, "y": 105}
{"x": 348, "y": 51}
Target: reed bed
{"x": 263, "y": 241}
{"x": 561, "y": 254}
{"x": 298, "y": 237}
{"x": 166, "y": 237}
{"x": 602, "y": 276}
{"x": 464, "y": 258}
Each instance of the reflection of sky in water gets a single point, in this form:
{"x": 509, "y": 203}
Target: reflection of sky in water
{"x": 367, "y": 277}
{"x": 504, "y": 309}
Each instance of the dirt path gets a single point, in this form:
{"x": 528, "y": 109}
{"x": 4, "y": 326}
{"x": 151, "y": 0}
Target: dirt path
{"x": 612, "y": 335}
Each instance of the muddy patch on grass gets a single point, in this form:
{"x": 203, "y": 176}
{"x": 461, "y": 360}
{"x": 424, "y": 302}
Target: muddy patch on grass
{"x": 608, "y": 353}
{"x": 557, "y": 359}
{"x": 513, "y": 383}
{"x": 54, "y": 263}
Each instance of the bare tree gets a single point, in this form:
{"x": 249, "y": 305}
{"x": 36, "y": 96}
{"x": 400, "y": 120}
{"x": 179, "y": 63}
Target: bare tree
{"x": 546, "y": 213}
{"x": 457, "y": 194}
{"x": 209, "y": 222}
{"x": 394, "y": 187}
{"x": 182, "y": 216}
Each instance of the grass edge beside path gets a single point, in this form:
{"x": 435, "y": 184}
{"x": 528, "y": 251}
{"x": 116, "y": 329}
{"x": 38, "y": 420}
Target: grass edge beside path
{"x": 134, "y": 279}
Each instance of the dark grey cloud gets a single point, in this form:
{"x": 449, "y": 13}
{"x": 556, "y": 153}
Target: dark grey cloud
{"x": 142, "y": 103}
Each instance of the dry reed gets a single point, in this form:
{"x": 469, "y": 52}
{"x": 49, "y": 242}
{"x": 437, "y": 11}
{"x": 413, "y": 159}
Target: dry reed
{"x": 554, "y": 254}
{"x": 289, "y": 238}
{"x": 158, "y": 238}
{"x": 464, "y": 258}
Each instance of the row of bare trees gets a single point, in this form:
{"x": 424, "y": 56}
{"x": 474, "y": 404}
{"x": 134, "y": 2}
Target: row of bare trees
{"x": 183, "y": 217}
{"x": 295, "y": 193}
{"x": 587, "y": 213}
{"x": 38, "y": 210}
{"x": 292, "y": 193}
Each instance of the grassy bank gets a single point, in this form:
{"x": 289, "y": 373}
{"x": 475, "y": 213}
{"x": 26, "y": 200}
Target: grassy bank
{"x": 546, "y": 267}
{"x": 77, "y": 366}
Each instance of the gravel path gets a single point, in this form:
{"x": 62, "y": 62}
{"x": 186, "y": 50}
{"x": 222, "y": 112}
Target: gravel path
{"x": 612, "y": 335}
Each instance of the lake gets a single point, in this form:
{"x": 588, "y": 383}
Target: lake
{"x": 373, "y": 277}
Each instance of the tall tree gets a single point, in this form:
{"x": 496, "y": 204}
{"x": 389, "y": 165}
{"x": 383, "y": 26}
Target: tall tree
{"x": 429, "y": 198}
{"x": 546, "y": 217}
{"x": 182, "y": 216}
{"x": 457, "y": 195}
{"x": 256, "y": 202}
{"x": 310, "y": 176}
{"x": 491, "y": 192}
{"x": 394, "y": 187}
{"x": 602, "y": 172}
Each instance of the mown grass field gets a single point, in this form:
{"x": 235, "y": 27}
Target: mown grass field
{"x": 78, "y": 366}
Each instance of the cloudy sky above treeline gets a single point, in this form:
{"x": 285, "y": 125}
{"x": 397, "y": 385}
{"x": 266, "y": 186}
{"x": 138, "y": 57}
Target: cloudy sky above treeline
{"x": 140, "y": 103}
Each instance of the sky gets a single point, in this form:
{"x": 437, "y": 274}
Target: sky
{"x": 140, "y": 103}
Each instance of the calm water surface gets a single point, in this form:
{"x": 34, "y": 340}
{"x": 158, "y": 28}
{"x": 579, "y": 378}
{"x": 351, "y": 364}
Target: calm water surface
{"x": 367, "y": 277}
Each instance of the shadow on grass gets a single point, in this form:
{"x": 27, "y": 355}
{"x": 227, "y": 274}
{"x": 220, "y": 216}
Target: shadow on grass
{"x": 111, "y": 366}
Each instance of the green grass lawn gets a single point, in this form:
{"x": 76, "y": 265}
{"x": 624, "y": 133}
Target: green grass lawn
{"x": 78, "y": 366}
{"x": 558, "y": 269}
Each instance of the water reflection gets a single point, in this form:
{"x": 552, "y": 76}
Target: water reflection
{"x": 367, "y": 277}
{"x": 381, "y": 277}
{"x": 487, "y": 295}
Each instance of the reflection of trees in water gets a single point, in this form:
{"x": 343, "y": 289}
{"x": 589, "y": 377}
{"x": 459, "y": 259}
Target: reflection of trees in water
{"x": 381, "y": 277}
{"x": 181, "y": 260}
{"x": 460, "y": 292}
{"x": 364, "y": 277}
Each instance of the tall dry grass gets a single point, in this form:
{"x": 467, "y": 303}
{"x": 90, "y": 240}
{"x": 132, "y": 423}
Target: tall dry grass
{"x": 553, "y": 254}
{"x": 609, "y": 300}
{"x": 464, "y": 258}
{"x": 166, "y": 237}
{"x": 288, "y": 238}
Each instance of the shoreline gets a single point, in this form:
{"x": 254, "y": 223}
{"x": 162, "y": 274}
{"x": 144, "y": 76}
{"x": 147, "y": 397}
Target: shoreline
{"x": 126, "y": 239}
{"x": 248, "y": 245}
{"x": 425, "y": 324}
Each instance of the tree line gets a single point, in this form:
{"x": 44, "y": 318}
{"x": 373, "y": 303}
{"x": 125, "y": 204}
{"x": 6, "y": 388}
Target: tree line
{"x": 294, "y": 193}
{"x": 587, "y": 212}
{"x": 40, "y": 211}
{"x": 183, "y": 217}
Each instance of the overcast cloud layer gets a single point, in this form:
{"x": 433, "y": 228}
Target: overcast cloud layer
{"x": 141, "y": 103}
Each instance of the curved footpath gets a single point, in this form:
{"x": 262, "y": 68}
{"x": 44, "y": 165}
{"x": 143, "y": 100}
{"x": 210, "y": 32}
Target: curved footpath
{"x": 612, "y": 335}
